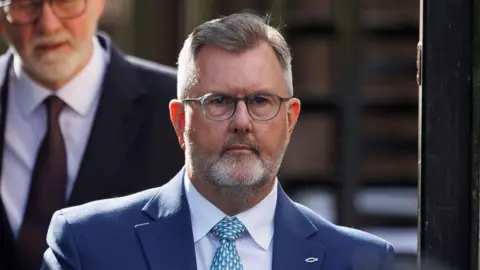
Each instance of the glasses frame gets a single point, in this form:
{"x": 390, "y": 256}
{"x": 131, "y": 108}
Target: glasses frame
{"x": 202, "y": 99}
{"x": 5, "y": 6}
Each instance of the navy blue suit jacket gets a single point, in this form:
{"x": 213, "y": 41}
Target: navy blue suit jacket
{"x": 152, "y": 230}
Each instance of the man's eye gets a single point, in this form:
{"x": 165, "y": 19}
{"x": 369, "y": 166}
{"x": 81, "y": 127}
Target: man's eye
{"x": 259, "y": 100}
{"x": 218, "y": 100}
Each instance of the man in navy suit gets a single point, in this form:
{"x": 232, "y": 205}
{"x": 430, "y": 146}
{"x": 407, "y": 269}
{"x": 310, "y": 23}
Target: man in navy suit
{"x": 225, "y": 209}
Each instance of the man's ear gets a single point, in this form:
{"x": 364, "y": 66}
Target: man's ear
{"x": 99, "y": 8}
{"x": 293, "y": 113}
{"x": 177, "y": 116}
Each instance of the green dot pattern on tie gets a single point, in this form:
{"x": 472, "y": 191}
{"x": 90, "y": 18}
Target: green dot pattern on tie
{"x": 226, "y": 257}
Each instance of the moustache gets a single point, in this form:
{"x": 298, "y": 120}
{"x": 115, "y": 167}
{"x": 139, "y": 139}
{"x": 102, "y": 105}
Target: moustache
{"x": 47, "y": 40}
{"x": 236, "y": 142}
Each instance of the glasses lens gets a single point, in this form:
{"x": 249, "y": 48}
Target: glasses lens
{"x": 27, "y": 11}
{"x": 22, "y": 11}
{"x": 218, "y": 107}
{"x": 68, "y": 8}
{"x": 263, "y": 106}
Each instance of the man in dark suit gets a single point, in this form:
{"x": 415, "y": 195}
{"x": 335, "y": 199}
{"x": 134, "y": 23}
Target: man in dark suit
{"x": 80, "y": 121}
{"x": 225, "y": 209}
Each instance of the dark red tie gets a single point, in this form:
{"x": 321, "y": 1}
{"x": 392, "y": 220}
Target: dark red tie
{"x": 47, "y": 190}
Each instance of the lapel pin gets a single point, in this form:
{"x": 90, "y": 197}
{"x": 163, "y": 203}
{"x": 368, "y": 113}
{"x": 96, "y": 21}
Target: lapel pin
{"x": 311, "y": 260}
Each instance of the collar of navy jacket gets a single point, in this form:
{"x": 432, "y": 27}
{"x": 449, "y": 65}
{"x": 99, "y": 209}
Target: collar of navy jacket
{"x": 170, "y": 232}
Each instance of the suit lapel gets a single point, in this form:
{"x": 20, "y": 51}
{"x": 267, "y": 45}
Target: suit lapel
{"x": 167, "y": 241}
{"x": 293, "y": 244}
{"x": 116, "y": 123}
{"x": 7, "y": 242}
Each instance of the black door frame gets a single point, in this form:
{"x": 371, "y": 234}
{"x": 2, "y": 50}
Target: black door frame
{"x": 449, "y": 111}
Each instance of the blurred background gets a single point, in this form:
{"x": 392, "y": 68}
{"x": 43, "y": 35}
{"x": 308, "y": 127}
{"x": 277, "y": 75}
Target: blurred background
{"x": 353, "y": 155}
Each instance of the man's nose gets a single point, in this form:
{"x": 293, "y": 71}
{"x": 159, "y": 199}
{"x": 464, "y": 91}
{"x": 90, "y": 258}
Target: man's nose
{"x": 241, "y": 121}
{"x": 47, "y": 23}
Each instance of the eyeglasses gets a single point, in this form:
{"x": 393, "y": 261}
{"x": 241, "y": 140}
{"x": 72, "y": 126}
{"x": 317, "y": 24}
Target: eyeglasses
{"x": 220, "y": 107}
{"x": 28, "y": 11}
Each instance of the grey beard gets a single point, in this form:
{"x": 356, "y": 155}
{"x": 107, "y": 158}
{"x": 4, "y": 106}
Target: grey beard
{"x": 209, "y": 170}
{"x": 240, "y": 190}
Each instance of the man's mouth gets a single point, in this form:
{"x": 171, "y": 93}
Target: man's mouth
{"x": 52, "y": 46}
{"x": 240, "y": 149}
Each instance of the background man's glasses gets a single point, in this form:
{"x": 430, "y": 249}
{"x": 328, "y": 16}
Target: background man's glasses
{"x": 28, "y": 11}
{"x": 220, "y": 107}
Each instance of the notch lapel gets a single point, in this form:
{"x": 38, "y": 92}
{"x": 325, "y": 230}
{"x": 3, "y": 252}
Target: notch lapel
{"x": 293, "y": 244}
{"x": 8, "y": 257}
{"x": 116, "y": 123}
{"x": 167, "y": 241}
{"x": 7, "y": 242}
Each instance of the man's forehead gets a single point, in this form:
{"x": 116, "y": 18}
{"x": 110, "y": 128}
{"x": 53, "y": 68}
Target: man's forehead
{"x": 216, "y": 59}
{"x": 256, "y": 69}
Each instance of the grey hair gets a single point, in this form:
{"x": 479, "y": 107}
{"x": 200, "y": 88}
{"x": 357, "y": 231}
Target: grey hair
{"x": 235, "y": 33}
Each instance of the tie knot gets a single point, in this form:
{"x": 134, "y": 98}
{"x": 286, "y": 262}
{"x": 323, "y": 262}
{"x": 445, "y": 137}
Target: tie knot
{"x": 229, "y": 228}
{"x": 54, "y": 105}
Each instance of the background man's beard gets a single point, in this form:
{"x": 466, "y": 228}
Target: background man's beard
{"x": 55, "y": 66}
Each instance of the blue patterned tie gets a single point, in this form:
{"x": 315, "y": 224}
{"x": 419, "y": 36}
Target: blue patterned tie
{"x": 226, "y": 257}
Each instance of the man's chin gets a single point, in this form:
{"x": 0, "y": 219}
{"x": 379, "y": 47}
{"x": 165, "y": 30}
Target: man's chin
{"x": 239, "y": 176}
{"x": 54, "y": 68}
{"x": 244, "y": 178}
{"x": 53, "y": 59}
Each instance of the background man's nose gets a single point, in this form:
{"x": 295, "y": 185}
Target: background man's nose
{"x": 48, "y": 23}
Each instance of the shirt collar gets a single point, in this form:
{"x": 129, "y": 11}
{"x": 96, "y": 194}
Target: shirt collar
{"x": 79, "y": 93}
{"x": 258, "y": 220}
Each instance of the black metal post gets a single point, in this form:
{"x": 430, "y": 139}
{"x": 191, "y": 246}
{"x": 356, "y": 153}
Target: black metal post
{"x": 449, "y": 122}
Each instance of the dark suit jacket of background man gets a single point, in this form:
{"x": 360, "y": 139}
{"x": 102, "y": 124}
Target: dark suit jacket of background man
{"x": 132, "y": 145}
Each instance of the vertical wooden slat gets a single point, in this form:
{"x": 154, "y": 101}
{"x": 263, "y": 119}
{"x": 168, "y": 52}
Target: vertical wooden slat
{"x": 195, "y": 12}
{"x": 118, "y": 22}
{"x": 279, "y": 13}
{"x": 156, "y": 30}
{"x": 349, "y": 100}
